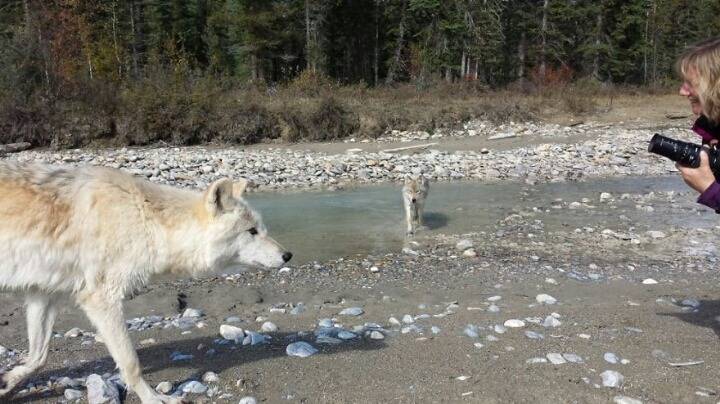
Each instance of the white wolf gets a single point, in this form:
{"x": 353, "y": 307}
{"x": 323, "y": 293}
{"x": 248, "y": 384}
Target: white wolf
{"x": 95, "y": 234}
{"x": 414, "y": 193}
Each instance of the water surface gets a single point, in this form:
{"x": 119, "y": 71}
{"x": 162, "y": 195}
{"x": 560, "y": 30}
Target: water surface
{"x": 318, "y": 226}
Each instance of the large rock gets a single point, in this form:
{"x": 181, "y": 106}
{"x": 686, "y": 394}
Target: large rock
{"x": 611, "y": 378}
{"x": 232, "y": 333}
{"x": 301, "y": 349}
{"x": 101, "y": 391}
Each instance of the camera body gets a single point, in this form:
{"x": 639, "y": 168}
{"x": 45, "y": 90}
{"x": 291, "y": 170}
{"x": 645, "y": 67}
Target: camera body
{"x": 685, "y": 153}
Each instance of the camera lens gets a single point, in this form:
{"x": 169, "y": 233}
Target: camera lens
{"x": 687, "y": 154}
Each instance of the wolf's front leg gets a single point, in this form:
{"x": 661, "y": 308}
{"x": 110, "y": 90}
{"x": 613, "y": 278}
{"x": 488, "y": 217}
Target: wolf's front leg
{"x": 420, "y": 212}
{"x": 409, "y": 222}
{"x": 105, "y": 312}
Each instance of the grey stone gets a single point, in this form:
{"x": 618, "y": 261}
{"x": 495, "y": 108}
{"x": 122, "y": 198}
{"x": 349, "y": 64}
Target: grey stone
{"x": 551, "y": 322}
{"x": 352, "y": 311}
{"x": 192, "y": 313}
{"x": 324, "y": 339}
{"x": 377, "y": 335}
{"x": 193, "y": 387}
{"x": 301, "y": 349}
{"x": 326, "y": 322}
{"x": 210, "y": 377}
{"x": 100, "y": 391}
{"x": 297, "y": 310}
{"x": 626, "y": 400}
{"x": 164, "y": 388}
{"x": 253, "y": 338}
{"x": 534, "y": 335}
{"x": 73, "y": 395}
{"x": 556, "y": 358}
{"x": 178, "y": 356}
{"x": 269, "y": 327}
{"x": 612, "y": 378}
{"x": 464, "y": 244}
{"x": 514, "y": 323}
{"x": 73, "y": 333}
{"x": 572, "y": 358}
{"x": 232, "y": 333}
{"x": 694, "y": 303}
{"x": 471, "y": 331}
{"x": 545, "y": 299}
{"x": 611, "y": 358}
{"x": 346, "y": 335}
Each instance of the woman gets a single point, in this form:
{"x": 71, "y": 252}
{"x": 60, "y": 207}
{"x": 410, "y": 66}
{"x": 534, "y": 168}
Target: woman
{"x": 700, "y": 70}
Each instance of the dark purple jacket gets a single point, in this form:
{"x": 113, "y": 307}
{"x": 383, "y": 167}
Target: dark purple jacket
{"x": 709, "y": 131}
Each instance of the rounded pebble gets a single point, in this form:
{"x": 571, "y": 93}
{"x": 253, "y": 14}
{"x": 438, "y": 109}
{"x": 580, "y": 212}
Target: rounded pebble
{"x": 301, "y": 349}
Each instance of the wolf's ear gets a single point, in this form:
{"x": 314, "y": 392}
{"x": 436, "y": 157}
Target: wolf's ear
{"x": 218, "y": 196}
{"x": 239, "y": 187}
{"x": 407, "y": 179}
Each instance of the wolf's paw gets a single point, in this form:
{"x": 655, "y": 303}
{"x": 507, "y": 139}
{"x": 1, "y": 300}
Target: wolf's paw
{"x": 162, "y": 399}
{"x": 6, "y": 385}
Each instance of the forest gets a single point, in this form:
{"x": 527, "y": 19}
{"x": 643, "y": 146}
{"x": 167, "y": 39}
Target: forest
{"x": 108, "y": 72}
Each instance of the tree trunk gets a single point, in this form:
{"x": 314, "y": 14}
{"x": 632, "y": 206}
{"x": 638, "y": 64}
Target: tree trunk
{"x": 654, "y": 67}
{"x": 28, "y": 19}
{"x": 115, "y": 42}
{"x": 521, "y": 56}
{"x": 133, "y": 42}
{"x": 395, "y": 64}
{"x": 376, "y": 59}
{"x": 46, "y": 64}
{"x": 477, "y": 69}
{"x": 308, "y": 44}
{"x": 543, "y": 43}
{"x": 463, "y": 72}
{"x": 596, "y": 59}
{"x": 254, "y": 68}
{"x": 654, "y": 46}
{"x": 348, "y": 66}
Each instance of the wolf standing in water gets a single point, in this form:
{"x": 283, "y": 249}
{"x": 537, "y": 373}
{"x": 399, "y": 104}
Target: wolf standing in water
{"x": 414, "y": 193}
{"x": 95, "y": 234}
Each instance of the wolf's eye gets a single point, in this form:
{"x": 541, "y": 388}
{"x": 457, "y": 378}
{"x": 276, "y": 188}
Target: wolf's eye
{"x": 253, "y": 231}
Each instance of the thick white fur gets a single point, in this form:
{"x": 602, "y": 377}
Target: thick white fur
{"x": 95, "y": 234}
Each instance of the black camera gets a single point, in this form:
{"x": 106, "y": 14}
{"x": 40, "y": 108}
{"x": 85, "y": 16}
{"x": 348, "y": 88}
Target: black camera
{"x": 684, "y": 153}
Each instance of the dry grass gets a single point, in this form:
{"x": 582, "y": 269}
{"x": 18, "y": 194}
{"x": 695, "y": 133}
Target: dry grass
{"x": 186, "y": 110}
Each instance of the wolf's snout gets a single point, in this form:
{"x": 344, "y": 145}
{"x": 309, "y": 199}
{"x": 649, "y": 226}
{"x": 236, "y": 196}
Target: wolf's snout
{"x": 287, "y": 256}
{"x": 414, "y": 200}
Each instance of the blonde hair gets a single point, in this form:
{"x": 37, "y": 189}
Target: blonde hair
{"x": 703, "y": 59}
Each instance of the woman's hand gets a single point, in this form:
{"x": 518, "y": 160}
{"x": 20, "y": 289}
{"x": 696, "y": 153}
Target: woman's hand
{"x": 699, "y": 178}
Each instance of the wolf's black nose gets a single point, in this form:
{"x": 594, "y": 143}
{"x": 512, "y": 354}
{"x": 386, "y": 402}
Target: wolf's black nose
{"x": 414, "y": 200}
{"x": 287, "y": 256}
